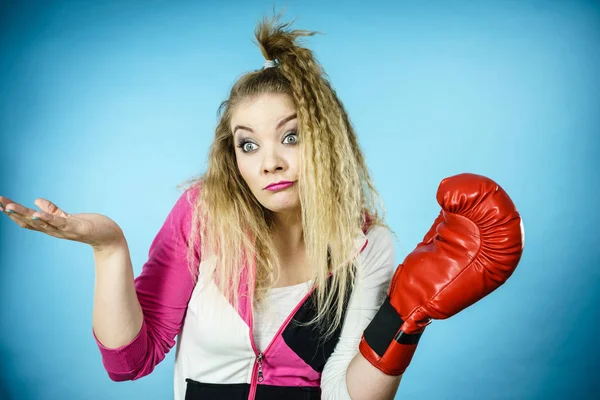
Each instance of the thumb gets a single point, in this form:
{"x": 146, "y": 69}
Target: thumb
{"x": 49, "y": 207}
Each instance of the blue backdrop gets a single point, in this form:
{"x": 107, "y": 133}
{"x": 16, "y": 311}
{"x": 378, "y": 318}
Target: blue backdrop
{"x": 105, "y": 106}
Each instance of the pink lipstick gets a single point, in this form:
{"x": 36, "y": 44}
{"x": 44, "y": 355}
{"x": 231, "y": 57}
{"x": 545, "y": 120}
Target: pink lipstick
{"x": 279, "y": 186}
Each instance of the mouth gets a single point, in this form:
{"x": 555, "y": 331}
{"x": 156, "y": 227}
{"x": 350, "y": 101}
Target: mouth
{"x": 279, "y": 186}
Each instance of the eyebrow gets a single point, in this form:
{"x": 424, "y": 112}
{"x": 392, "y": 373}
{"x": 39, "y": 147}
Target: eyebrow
{"x": 279, "y": 124}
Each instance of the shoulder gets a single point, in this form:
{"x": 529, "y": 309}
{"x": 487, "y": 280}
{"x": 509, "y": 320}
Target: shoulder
{"x": 380, "y": 234}
{"x": 185, "y": 203}
{"x": 379, "y": 239}
{"x": 379, "y": 253}
{"x": 191, "y": 193}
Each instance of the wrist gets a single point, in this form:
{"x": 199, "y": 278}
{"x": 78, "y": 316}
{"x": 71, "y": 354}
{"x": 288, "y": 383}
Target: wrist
{"x": 109, "y": 248}
{"x": 385, "y": 344}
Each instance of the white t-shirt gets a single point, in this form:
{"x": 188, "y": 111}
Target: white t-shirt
{"x": 282, "y": 301}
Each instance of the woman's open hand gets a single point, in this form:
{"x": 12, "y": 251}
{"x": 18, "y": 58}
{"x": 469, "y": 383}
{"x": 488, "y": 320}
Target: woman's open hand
{"x": 96, "y": 230}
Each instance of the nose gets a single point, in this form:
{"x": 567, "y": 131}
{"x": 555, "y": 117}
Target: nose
{"x": 272, "y": 160}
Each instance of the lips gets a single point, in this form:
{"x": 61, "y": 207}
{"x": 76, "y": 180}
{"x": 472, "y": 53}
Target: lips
{"x": 279, "y": 185}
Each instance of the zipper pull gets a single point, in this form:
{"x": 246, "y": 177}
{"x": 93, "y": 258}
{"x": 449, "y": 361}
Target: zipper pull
{"x": 259, "y": 359}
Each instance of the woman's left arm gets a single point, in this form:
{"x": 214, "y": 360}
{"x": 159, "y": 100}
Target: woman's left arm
{"x": 364, "y": 381}
{"x": 347, "y": 374}
{"x": 472, "y": 248}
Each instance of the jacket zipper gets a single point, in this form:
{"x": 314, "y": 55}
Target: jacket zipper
{"x": 257, "y": 372}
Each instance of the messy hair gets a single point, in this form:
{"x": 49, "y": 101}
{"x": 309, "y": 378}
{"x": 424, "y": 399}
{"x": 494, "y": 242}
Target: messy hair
{"x": 337, "y": 196}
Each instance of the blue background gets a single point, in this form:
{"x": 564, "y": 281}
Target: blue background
{"x": 105, "y": 106}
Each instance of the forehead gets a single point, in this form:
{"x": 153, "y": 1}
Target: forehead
{"x": 263, "y": 110}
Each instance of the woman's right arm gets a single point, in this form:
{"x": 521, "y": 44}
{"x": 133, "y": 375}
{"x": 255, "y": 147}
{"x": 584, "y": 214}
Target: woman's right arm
{"x": 135, "y": 321}
{"x": 117, "y": 315}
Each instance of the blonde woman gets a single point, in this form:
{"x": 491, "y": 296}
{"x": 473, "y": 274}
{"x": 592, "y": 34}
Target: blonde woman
{"x": 275, "y": 268}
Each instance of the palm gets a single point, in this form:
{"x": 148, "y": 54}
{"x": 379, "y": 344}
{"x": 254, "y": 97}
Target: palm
{"x": 94, "y": 229}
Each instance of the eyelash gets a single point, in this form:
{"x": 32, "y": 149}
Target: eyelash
{"x": 242, "y": 142}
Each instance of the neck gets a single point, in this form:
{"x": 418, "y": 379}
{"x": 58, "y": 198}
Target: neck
{"x": 287, "y": 233}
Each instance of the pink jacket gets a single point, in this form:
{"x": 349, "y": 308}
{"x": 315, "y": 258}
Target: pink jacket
{"x": 216, "y": 356}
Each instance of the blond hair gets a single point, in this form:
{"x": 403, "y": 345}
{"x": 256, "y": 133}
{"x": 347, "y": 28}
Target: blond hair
{"x": 337, "y": 195}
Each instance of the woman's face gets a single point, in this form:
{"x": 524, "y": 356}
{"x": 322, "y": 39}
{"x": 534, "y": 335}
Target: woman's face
{"x": 267, "y": 150}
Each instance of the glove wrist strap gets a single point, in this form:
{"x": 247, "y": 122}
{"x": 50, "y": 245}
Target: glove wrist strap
{"x": 385, "y": 345}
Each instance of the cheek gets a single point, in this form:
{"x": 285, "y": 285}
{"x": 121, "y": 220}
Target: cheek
{"x": 293, "y": 159}
{"x": 241, "y": 168}
{"x": 246, "y": 173}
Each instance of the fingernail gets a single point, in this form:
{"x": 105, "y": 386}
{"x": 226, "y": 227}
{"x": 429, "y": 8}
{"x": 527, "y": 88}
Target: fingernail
{"x": 10, "y": 211}
{"x": 35, "y": 218}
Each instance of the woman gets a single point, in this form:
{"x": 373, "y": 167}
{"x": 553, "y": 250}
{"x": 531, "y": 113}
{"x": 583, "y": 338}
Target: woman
{"x": 274, "y": 267}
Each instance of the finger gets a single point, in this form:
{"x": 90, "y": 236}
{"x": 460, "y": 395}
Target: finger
{"x": 4, "y": 201}
{"x": 41, "y": 225}
{"x": 23, "y": 216}
{"x": 60, "y": 227}
{"x": 56, "y": 221}
{"x": 20, "y": 220}
{"x": 50, "y": 207}
{"x": 18, "y": 209}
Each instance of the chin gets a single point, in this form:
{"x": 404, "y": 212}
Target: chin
{"x": 282, "y": 206}
{"x": 279, "y": 208}
{"x": 285, "y": 210}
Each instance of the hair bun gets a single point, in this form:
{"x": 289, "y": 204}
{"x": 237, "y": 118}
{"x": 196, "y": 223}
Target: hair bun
{"x": 277, "y": 40}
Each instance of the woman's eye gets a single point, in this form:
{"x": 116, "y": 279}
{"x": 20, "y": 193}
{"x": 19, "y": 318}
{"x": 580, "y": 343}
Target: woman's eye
{"x": 293, "y": 136}
{"x": 246, "y": 147}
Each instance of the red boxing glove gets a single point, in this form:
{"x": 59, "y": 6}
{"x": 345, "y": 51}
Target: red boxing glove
{"x": 472, "y": 248}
